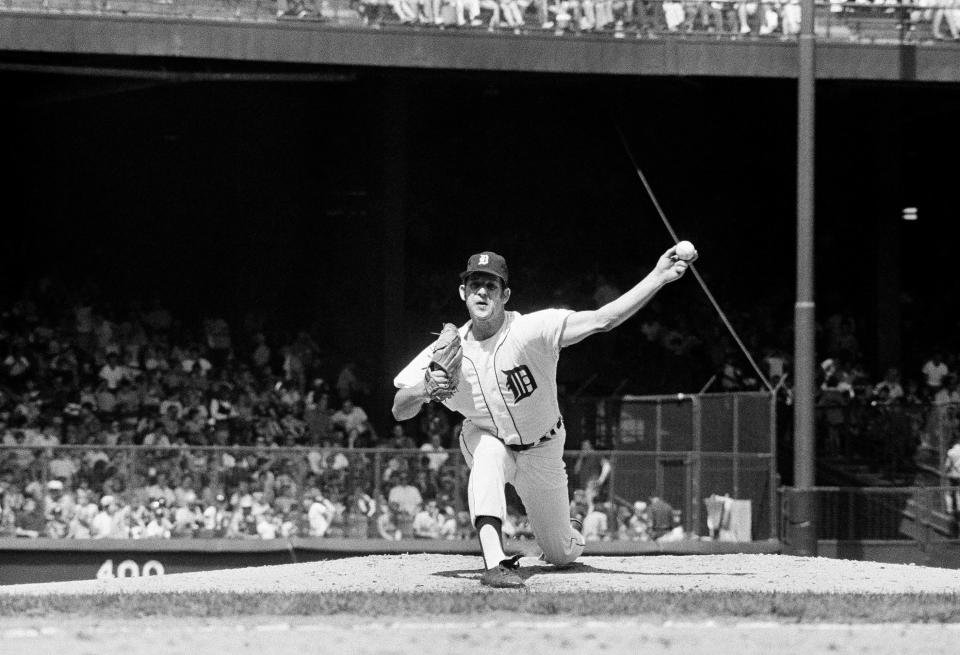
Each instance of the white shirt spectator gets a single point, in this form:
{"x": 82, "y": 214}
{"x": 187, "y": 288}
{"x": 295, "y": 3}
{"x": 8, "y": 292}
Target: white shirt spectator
{"x": 436, "y": 455}
{"x": 158, "y": 528}
{"x": 113, "y": 374}
{"x": 935, "y": 372}
{"x": 188, "y": 364}
{"x": 185, "y": 518}
{"x": 325, "y": 459}
{"x": 952, "y": 464}
{"x": 319, "y": 516}
{"x": 16, "y": 365}
{"x": 595, "y": 525}
{"x": 406, "y": 497}
{"x": 63, "y": 467}
{"x": 426, "y": 524}
{"x": 101, "y": 526}
{"x": 356, "y": 419}
{"x": 266, "y": 528}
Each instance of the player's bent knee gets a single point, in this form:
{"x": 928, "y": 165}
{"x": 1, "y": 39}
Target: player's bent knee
{"x": 564, "y": 559}
{"x": 563, "y": 554}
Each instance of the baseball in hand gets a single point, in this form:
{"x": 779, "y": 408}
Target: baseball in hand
{"x": 685, "y": 251}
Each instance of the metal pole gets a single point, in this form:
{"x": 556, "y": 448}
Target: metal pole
{"x": 803, "y": 518}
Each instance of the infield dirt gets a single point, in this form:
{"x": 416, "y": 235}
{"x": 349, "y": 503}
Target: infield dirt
{"x": 458, "y": 573}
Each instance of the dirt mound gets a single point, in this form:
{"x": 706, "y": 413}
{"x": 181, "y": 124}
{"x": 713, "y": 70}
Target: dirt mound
{"x": 438, "y": 573}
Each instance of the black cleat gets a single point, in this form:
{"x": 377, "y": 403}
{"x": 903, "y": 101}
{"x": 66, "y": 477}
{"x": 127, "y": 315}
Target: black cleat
{"x": 503, "y": 575}
{"x": 577, "y": 524}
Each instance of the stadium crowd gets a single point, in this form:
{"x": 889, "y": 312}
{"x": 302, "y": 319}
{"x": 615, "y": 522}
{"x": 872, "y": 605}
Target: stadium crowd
{"x": 129, "y": 425}
{"x": 734, "y": 18}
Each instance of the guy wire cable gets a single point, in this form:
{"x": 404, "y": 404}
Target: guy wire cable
{"x": 696, "y": 274}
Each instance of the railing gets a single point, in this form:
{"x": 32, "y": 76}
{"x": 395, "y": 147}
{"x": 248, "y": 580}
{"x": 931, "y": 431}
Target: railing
{"x": 893, "y": 439}
{"x": 922, "y": 514}
{"x": 682, "y": 478}
{"x": 920, "y": 22}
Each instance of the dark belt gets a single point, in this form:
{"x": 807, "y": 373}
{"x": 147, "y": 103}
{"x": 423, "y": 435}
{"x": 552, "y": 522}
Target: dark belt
{"x": 519, "y": 448}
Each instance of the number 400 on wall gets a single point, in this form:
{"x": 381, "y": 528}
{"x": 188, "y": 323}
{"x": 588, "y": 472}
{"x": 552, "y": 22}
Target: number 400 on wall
{"x": 129, "y": 569}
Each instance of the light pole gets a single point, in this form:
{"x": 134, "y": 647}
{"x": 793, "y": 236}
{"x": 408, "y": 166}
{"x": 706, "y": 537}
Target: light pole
{"x": 803, "y": 505}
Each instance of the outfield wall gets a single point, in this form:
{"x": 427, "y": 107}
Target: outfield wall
{"x": 49, "y": 560}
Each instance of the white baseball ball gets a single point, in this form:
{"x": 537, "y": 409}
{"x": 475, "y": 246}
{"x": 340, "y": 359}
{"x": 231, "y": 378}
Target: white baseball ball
{"x": 686, "y": 251}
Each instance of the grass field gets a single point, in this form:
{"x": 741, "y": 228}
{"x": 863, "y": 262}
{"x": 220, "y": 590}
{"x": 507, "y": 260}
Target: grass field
{"x": 654, "y": 605}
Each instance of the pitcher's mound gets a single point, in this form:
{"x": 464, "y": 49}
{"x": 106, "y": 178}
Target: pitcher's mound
{"x": 457, "y": 573}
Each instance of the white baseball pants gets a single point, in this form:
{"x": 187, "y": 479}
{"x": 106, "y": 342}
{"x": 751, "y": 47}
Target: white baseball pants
{"x": 540, "y": 478}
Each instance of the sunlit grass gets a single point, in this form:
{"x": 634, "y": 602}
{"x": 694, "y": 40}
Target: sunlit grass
{"x": 793, "y": 607}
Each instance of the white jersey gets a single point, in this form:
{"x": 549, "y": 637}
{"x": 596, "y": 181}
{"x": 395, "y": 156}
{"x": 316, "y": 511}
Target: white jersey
{"x": 952, "y": 464}
{"x": 508, "y": 383}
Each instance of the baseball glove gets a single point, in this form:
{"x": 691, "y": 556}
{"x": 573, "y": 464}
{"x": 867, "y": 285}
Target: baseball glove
{"x": 446, "y": 356}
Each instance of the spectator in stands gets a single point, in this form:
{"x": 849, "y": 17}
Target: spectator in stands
{"x": 184, "y": 492}
{"x": 317, "y": 415}
{"x": 951, "y": 470}
{"x": 106, "y": 401}
{"x": 934, "y": 371}
{"x": 216, "y": 518}
{"x": 195, "y": 362}
{"x": 64, "y": 466}
{"x": 427, "y": 522}
{"x": 592, "y": 468}
{"x": 261, "y": 355}
{"x": 221, "y": 408}
{"x": 673, "y": 14}
{"x": 361, "y": 508}
{"x": 888, "y": 391}
{"x": 639, "y": 523}
{"x": 320, "y": 514}
{"x": 434, "y": 453}
{"x": 790, "y": 17}
{"x": 768, "y": 18}
{"x": 661, "y": 517}
{"x": 406, "y": 10}
{"x": 16, "y": 366}
{"x": 159, "y": 526}
{"x": 596, "y": 524}
{"x": 948, "y": 11}
{"x": 158, "y": 488}
{"x": 113, "y": 372}
{"x": 472, "y": 8}
{"x": 187, "y": 517}
{"x": 405, "y": 496}
{"x": 348, "y": 384}
{"x": 835, "y": 394}
{"x": 387, "y": 526}
{"x": 425, "y": 484}
{"x": 355, "y": 424}
{"x": 243, "y": 524}
{"x": 30, "y": 521}
{"x": 708, "y": 13}
{"x": 82, "y": 520}
{"x": 268, "y": 524}
{"x": 579, "y": 507}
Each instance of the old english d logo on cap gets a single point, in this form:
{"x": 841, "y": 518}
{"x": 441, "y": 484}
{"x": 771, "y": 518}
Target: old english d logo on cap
{"x": 487, "y": 262}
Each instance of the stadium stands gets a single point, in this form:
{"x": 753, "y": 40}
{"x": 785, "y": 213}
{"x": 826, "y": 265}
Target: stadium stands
{"x": 925, "y": 21}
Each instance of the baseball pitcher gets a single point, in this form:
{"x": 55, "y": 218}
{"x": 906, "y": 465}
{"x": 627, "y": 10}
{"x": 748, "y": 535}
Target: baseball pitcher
{"x": 499, "y": 371}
